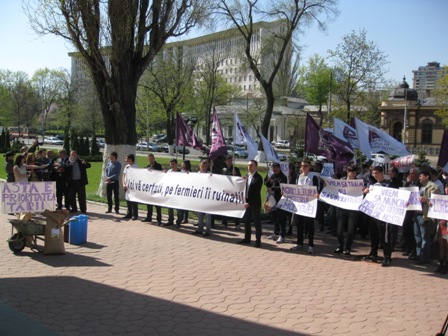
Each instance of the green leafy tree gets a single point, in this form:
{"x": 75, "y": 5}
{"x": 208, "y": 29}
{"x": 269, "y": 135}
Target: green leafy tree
{"x": 315, "y": 82}
{"x": 359, "y": 68}
{"x": 441, "y": 95}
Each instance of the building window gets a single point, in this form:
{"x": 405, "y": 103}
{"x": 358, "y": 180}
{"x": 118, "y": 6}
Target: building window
{"x": 426, "y": 133}
{"x": 397, "y": 131}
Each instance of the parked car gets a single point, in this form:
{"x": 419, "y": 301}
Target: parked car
{"x": 239, "y": 152}
{"x": 178, "y": 149}
{"x": 150, "y": 146}
{"x": 282, "y": 157}
{"x": 53, "y": 141}
{"x": 159, "y": 138}
{"x": 100, "y": 142}
{"x": 282, "y": 144}
{"x": 314, "y": 158}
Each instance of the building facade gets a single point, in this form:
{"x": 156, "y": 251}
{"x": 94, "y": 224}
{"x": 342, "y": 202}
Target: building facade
{"x": 410, "y": 119}
{"x": 426, "y": 77}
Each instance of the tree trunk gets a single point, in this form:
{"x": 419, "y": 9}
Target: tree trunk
{"x": 268, "y": 114}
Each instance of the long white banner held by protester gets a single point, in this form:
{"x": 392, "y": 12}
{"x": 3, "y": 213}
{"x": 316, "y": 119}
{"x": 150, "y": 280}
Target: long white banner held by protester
{"x": 214, "y": 194}
{"x": 301, "y": 200}
{"x": 345, "y": 194}
{"x": 28, "y": 196}
{"x": 386, "y": 204}
{"x": 439, "y": 207}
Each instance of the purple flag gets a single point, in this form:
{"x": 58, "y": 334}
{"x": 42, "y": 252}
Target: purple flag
{"x": 185, "y": 135}
{"x": 443, "y": 154}
{"x": 218, "y": 144}
{"x": 320, "y": 142}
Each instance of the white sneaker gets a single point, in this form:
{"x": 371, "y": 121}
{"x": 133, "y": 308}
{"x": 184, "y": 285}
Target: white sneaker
{"x": 310, "y": 250}
{"x": 280, "y": 240}
{"x": 273, "y": 237}
{"x": 296, "y": 248}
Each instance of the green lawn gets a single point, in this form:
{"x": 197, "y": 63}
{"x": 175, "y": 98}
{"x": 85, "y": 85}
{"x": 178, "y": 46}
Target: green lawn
{"x": 94, "y": 176}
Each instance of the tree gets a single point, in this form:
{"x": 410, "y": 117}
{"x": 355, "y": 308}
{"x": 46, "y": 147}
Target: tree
{"x": 116, "y": 40}
{"x": 169, "y": 82}
{"x": 441, "y": 95}
{"x": 266, "y": 60}
{"x": 359, "y": 68}
{"x": 315, "y": 82}
{"x": 48, "y": 85}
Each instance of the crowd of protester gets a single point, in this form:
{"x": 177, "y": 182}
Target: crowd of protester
{"x": 421, "y": 238}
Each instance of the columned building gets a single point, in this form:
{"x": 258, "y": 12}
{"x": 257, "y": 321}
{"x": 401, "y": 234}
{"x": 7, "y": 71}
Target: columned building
{"x": 411, "y": 120}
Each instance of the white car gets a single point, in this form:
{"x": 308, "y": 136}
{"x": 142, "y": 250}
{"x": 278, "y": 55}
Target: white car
{"x": 282, "y": 157}
{"x": 53, "y": 141}
{"x": 282, "y": 144}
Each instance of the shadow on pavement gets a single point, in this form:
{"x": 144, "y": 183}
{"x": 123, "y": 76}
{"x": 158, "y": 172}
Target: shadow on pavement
{"x": 69, "y": 305}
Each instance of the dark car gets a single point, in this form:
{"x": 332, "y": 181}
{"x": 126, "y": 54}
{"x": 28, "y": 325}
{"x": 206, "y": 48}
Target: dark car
{"x": 178, "y": 149}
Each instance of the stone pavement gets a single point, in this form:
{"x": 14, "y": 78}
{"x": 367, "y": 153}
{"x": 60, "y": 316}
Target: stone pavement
{"x": 133, "y": 278}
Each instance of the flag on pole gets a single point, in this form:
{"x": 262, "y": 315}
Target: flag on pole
{"x": 240, "y": 135}
{"x": 373, "y": 140}
{"x": 269, "y": 151}
{"x": 218, "y": 147}
{"x": 185, "y": 135}
{"x": 345, "y": 132}
{"x": 320, "y": 142}
{"x": 443, "y": 154}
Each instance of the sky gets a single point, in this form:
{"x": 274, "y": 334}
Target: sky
{"x": 410, "y": 32}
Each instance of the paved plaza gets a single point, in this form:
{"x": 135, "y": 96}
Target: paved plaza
{"x": 134, "y": 278}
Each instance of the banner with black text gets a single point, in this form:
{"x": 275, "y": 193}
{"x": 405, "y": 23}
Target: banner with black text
{"x": 213, "y": 194}
{"x": 345, "y": 194}
{"x": 301, "y": 200}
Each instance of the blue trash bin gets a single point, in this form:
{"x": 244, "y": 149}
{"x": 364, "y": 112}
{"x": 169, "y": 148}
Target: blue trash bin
{"x": 78, "y": 230}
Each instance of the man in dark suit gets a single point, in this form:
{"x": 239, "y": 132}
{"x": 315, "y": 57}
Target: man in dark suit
{"x": 77, "y": 181}
{"x": 230, "y": 170}
{"x": 153, "y": 165}
{"x": 254, "y": 183}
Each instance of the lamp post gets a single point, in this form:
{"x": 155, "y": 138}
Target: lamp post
{"x": 405, "y": 117}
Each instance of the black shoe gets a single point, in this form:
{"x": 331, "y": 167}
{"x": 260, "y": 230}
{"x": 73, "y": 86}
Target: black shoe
{"x": 243, "y": 241}
{"x": 108, "y": 211}
{"x": 412, "y": 257}
{"x": 422, "y": 262}
{"x": 372, "y": 257}
{"x": 117, "y": 212}
{"x": 134, "y": 218}
{"x": 347, "y": 252}
{"x": 127, "y": 217}
{"x": 206, "y": 234}
{"x": 258, "y": 244}
{"x": 196, "y": 232}
{"x": 444, "y": 270}
{"x": 147, "y": 220}
{"x": 73, "y": 211}
{"x": 386, "y": 262}
{"x": 338, "y": 250}
{"x": 439, "y": 268}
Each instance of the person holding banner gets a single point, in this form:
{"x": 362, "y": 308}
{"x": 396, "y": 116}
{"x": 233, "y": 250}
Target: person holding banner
{"x": 442, "y": 237}
{"x": 9, "y": 166}
{"x": 422, "y": 224}
{"x": 153, "y": 165}
{"x": 254, "y": 182}
{"x": 230, "y": 170}
{"x": 347, "y": 218}
{"x": 408, "y": 236}
{"x": 174, "y": 168}
{"x": 278, "y": 216}
{"x": 305, "y": 179}
{"x": 132, "y": 206}
{"x": 203, "y": 169}
{"x": 379, "y": 230}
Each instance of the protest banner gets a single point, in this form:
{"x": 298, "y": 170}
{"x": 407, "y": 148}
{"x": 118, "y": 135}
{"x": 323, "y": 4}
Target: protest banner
{"x": 28, "y": 196}
{"x": 327, "y": 170}
{"x": 439, "y": 207}
{"x": 213, "y": 194}
{"x": 414, "y": 202}
{"x": 301, "y": 200}
{"x": 345, "y": 194}
{"x": 386, "y": 204}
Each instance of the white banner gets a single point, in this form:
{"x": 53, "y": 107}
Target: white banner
{"x": 301, "y": 200}
{"x": 213, "y": 194}
{"x": 404, "y": 163}
{"x": 439, "y": 207}
{"x": 386, "y": 204}
{"x": 28, "y": 196}
{"x": 345, "y": 194}
{"x": 414, "y": 202}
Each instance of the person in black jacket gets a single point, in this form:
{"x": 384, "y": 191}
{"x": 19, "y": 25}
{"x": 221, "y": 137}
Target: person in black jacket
{"x": 254, "y": 182}
{"x": 9, "y": 165}
{"x": 230, "y": 170}
{"x": 278, "y": 216}
{"x": 153, "y": 165}
{"x": 77, "y": 181}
